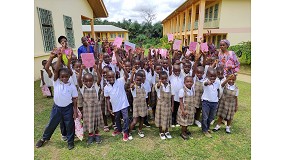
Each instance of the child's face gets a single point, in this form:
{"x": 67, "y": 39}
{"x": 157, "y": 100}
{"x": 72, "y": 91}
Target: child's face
{"x": 220, "y": 74}
{"x": 143, "y": 77}
{"x": 146, "y": 66}
{"x": 137, "y": 64}
{"x": 165, "y": 63}
{"x": 111, "y": 77}
{"x": 187, "y": 67}
{"x": 44, "y": 63}
{"x": 128, "y": 67}
{"x": 200, "y": 73}
{"x": 188, "y": 82}
{"x": 158, "y": 69}
{"x": 104, "y": 72}
{"x": 63, "y": 42}
{"x": 73, "y": 58}
{"x": 138, "y": 80}
{"x": 163, "y": 79}
{"x": 88, "y": 80}
{"x": 176, "y": 70}
{"x": 212, "y": 76}
{"x": 64, "y": 77}
{"x": 232, "y": 81}
{"x": 106, "y": 58}
{"x": 77, "y": 66}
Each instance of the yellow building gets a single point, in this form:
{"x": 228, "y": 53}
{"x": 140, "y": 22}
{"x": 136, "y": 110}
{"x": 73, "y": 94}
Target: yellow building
{"x": 227, "y": 19}
{"x": 53, "y": 18}
{"x": 106, "y": 31}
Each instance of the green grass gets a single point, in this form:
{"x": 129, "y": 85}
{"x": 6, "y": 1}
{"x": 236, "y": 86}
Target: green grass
{"x": 222, "y": 146}
{"x": 245, "y": 69}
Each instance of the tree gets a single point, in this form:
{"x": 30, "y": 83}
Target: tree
{"x": 148, "y": 14}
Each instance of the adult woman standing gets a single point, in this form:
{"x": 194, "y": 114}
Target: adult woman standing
{"x": 228, "y": 59}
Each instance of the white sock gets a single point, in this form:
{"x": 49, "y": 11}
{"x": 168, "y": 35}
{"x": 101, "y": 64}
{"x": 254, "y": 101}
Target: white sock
{"x": 217, "y": 126}
{"x": 228, "y": 127}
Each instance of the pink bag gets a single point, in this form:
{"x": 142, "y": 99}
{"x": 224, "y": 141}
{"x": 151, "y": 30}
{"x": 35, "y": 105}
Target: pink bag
{"x": 78, "y": 126}
{"x": 45, "y": 91}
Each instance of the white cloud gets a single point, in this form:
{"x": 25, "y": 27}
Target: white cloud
{"x": 129, "y": 9}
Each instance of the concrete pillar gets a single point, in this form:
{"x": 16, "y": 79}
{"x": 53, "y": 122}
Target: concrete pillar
{"x": 186, "y": 25}
{"x": 92, "y": 29}
{"x": 193, "y": 16}
{"x": 201, "y": 18}
{"x": 181, "y": 16}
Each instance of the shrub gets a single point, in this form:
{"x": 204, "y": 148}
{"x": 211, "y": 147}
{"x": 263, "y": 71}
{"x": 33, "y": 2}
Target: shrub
{"x": 243, "y": 51}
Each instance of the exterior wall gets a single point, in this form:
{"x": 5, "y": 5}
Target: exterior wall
{"x": 103, "y": 35}
{"x": 75, "y": 9}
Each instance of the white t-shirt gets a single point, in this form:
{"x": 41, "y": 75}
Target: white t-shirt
{"x": 164, "y": 88}
{"x": 117, "y": 94}
{"x": 211, "y": 91}
{"x": 147, "y": 88}
{"x": 46, "y": 79}
{"x": 148, "y": 76}
{"x": 177, "y": 83}
{"x": 63, "y": 93}
{"x": 189, "y": 92}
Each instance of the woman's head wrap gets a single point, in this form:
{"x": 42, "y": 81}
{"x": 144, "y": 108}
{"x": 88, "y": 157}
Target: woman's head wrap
{"x": 226, "y": 41}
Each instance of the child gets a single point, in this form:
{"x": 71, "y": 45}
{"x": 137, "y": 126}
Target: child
{"x": 155, "y": 79}
{"x": 185, "y": 116}
{"x": 92, "y": 112}
{"x": 163, "y": 108}
{"x": 64, "y": 107}
{"x": 186, "y": 71}
{"x": 176, "y": 81}
{"x": 228, "y": 104}
{"x": 139, "y": 103}
{"x": 115, "y": 94}
{"x": 209, "y": 100}
{"x": 45, "y": 80}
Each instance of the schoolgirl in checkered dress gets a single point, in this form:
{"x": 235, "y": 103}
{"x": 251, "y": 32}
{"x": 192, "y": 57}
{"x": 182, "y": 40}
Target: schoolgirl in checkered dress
{"x": 186, "y": 111}
{"x": 163, "y": 113}
{"x": 228, "y": 103}
{"x": 92, "y": 113}
{"x": 155, "y": 79}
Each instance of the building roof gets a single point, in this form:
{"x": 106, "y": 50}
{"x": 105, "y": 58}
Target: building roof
{"x": 102, "y": 28}
{"x": 99, "y": 9}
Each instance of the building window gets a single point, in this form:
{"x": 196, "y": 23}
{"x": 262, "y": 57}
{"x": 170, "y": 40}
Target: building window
{"x": 69, "y": 30}
{"x": 122, "y": 35}
{"x": 113, "y": 35}
{"x": 46, "y": 24}
{"x": 211, "y": 13}
{"x": 216, "y": 11}
{"x": 219, "y": 38}
{"x": 206, "y": 15}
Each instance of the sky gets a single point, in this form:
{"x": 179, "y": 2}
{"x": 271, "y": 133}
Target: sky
{"x": 129, "y": 9}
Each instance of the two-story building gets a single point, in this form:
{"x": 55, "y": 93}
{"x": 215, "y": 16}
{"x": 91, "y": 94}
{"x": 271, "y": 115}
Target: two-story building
{"x": 227, "y": 19}
{"x": 53, "y": 18}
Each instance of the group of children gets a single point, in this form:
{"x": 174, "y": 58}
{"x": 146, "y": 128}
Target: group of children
{"x": 177, "y": 88}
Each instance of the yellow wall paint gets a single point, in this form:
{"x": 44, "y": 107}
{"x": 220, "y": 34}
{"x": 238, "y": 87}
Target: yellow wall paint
{"x": 73, "y": 9}
{"x": 236, "y": 38}
{"x": 235, "y": 14}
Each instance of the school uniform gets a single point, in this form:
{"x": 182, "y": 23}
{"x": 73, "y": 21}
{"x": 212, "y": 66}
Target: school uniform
{"x": 153, "y": 98}
{"x": 62, "y": 110}
{"x": 209, "y": 103}
{"x": 228, "y": 102}
{"x": 139, "y": 103}
{"x": 176, "y": 84}
{"x": 119, "y": 102}
{"x": 186, "y": 74}
{"x": 114, "y": 67}
{"x": 148, "y": 76}
{"x": 189, "y": 108}
{"x": 102, "y": 100}
{"x": 221, "y": 88}
{"x": 166, "y": 70}
{"x": 92, "y": 113}
{"x": 198, "y": 86}
{"x": 163, "y": 117}
{"x": 46, "y": 79}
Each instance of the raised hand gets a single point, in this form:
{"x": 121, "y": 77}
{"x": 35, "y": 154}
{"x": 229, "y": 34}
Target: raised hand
{"x": 134, "y": 70}
{"x": 83, "y": 67}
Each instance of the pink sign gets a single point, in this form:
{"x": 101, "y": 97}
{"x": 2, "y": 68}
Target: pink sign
{"x": 204, "y": 47}
{"x": 78, "y": 126}
{"x": 67, "y": 51}
{"x": 88, "y": 59}
{"x": 170, "y": 37}
{"x": 45, "y": 91}
{"x": 176, "y": 44}
{"x": 118, "y": 41}
{"x": 163, "y": 53}
{"x": 192, "y": 46}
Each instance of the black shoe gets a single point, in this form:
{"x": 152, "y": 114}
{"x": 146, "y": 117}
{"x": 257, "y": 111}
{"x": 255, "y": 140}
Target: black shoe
{"x": 146, "y": 124}
{"x": 215, "y": 130}
{"x": 70, "y": 146}
{"x": 40, "y": 143}
{"x": 184, "y": 136}
{"x": 188, "y": 133}
{"x": 90, "y": 140}
{"x": 98, "y": 139}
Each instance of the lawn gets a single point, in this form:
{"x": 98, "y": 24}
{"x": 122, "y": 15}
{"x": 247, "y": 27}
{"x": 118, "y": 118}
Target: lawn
{"x": 222, "y": 146}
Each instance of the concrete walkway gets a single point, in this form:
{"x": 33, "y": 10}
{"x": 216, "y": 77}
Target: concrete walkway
{"x": 244, "y": 78}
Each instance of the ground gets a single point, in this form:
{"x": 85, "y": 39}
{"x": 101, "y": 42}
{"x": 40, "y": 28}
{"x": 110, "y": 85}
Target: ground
{"x": 222, "y": 146}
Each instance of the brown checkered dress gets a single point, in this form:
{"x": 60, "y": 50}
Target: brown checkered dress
{"x": 198, "y": 93}
{"x": 139, "y": 104}
{"x": 102, "y": 100}
{"x": 163, "y": 115}
{"x": 189, "y": 108}
{"x": 153, "y": 98}
{"x": 227, "y": 104}
{"x": 92, "y": 113}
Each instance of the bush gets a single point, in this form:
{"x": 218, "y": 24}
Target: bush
{"x": 243, "y": 51}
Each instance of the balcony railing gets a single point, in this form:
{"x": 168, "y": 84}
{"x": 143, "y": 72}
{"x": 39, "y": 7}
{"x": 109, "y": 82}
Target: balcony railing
{"x": 196, "y": 24}
{"x": 211, "y": 23}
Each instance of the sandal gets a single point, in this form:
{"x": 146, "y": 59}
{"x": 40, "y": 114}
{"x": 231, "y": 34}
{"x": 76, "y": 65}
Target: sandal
{"x": 106, "y": 129}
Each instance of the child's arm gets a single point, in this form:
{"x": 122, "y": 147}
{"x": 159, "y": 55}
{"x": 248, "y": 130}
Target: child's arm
{"x": 132, "y": 86}
{"x": 51, "y": 57}
{"x": 172, "y": 103}
{"x": 169, "y": 66}
{"x": 226, "y": 81}
{"x": 197, "y": 57}
{"x": 69, "y": 57}
{"x": 96, "y": 70}
{"x": 74, "y": 100}
{"x": 215, "y": 63}
{"x": 126, "y": 75}
{"x": 79, "y": 79}
{"x": 236, "y": 107}
{"x": 42, "y": 77}
{"x": 100, "y": 64}
{"x": 204, "y": 58}
{"x": 132, "y": 75}
{"x": 208, "y": 82}
{"x": 57, "y": 65}
{"x": 109, "y": 106}
{"x": 181, "y": 106}
{"x": 151, "y": 66}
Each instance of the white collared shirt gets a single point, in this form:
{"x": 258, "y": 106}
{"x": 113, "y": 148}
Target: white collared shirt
{"x": 189, "y": 92}
{"x": 176, "y": 84}
{"x": 94, "y": 86}
{"x": 111, "y": 65}
{"x": 154, "y": 77}
{"x": 147, "y": 88}
{"x": 233, "y": 87}
{"x": 164, "y": 88}
{"x": 221, "y": 89}
{"x": 63, "y": 93}
{"x": 148, "y": 76}
{"x": 186, "y": 74}
{"x": 210, "y": 92}
{"x": 117, "y": 94}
